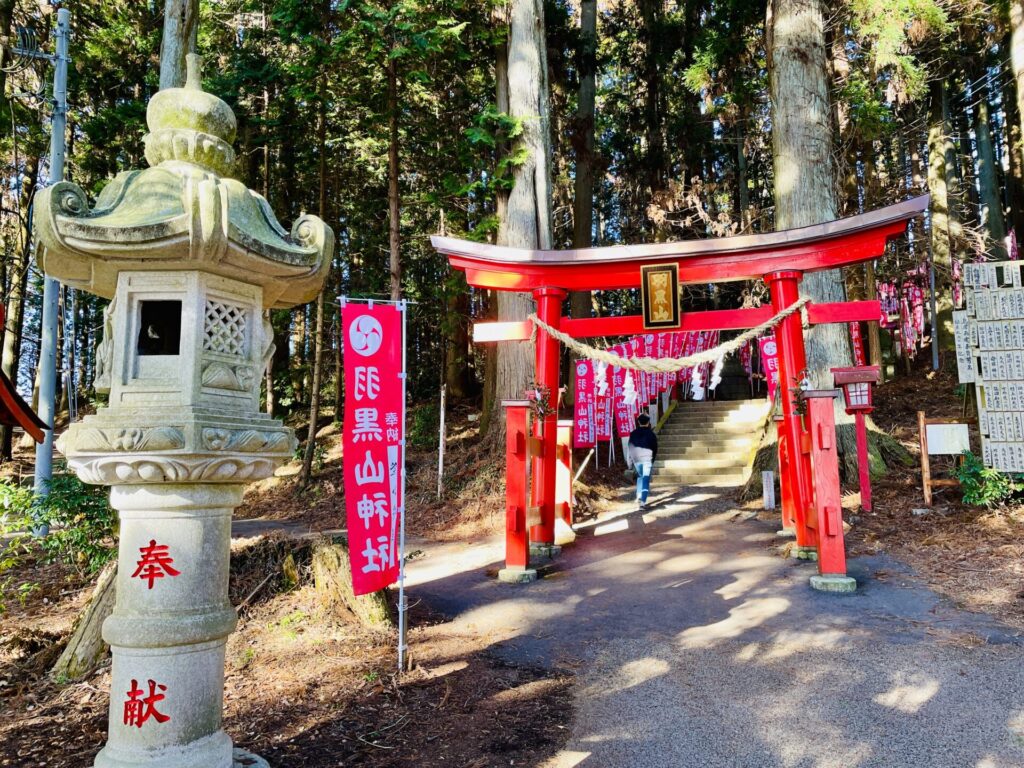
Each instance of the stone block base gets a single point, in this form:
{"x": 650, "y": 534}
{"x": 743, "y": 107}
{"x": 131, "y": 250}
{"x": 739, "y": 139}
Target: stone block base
{"x": 517, "y": 575}
{"x": 786, "y": 533}
{"x": 834, "y": 583}
{"x": 545, "y": 550}
{"x": 804, "y": 553}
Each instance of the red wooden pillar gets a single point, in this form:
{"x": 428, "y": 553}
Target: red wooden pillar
{"x": 549, "y": 309}
{"x": 827, "y": 516}
{"x": 517, "y": 540}
{"x": 789, "y": 339}
{"x": 563, "y": 486}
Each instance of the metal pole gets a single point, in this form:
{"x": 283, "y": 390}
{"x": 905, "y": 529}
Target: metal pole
{"x": 402, "y": 607}
{"x": 48, "y": 344}
{"x": 440, "y": 444}
{"x": 935, "y": 311}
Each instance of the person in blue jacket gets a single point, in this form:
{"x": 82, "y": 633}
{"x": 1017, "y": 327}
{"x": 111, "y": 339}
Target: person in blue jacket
{"x": 643, "y": 450}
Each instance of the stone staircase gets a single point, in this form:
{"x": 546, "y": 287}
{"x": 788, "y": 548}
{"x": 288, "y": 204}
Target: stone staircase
{"x": 710, "y": 442}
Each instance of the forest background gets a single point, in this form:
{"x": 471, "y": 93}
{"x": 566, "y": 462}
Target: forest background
{"x": 620, "y": 121}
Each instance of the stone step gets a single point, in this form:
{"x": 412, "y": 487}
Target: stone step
{"x": 733, "y": 453}
{"x": 663, "y": 477}
{"x": 689, "y": 431}
{"x": 709, "y": 441}
{"x": 716, "y": 415}
{"x": 693, "y": 465}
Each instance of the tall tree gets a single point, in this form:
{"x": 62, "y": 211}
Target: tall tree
{"x": 802, "y": 149}
{"x": 583, "y": 201}
{"x": 941, "y": 246}
{"x": 181, "y": 27}
{"x": 527, "y": 222}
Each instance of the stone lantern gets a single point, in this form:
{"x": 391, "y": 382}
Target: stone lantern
{"x": 191, "y": 260}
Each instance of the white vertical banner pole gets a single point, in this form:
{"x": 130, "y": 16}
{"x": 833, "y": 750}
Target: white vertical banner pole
{"x": 441, "y": 442}
{"x": 402, "y": 617}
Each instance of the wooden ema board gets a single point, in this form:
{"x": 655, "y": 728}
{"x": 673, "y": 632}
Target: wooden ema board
{"x": 989, "y": 335}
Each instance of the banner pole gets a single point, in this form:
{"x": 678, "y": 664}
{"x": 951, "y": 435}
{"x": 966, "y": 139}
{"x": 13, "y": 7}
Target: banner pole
{"x": 402, "y": 608}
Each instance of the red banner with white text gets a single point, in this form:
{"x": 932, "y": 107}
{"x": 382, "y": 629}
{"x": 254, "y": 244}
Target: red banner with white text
{"x": 584, "y": 426}
{"x": 769, "y": 364}
{"x": 372, "y": 438}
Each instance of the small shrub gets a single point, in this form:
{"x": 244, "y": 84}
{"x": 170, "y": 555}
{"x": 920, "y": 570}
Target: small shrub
{"x": 981, "y": 485}
{"x": 82, "y": 524}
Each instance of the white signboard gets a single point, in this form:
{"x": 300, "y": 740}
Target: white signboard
{"x": 947, "y": 439}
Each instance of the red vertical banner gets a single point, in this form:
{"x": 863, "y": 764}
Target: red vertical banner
{"x": 857, "y": 339}
{"x": 664, "y": 350}
{"x": 584, "y": 433}
{"x": 623, "y": 412}
{"x": 769, "y": 364}
{"x": 603, "y": 401}
{"x": 372, "y": 438}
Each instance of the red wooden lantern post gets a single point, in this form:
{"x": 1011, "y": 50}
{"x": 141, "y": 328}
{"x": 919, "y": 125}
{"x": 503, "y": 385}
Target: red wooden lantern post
{"x": 856, "y": 383}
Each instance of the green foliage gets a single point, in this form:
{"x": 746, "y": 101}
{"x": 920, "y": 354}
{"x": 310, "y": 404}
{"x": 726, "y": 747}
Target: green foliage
{"x": 891, "y": 29}
{"x": 981, "y": 485}
{"x": 83, "y": 526}
{"x": 425, "y": 426}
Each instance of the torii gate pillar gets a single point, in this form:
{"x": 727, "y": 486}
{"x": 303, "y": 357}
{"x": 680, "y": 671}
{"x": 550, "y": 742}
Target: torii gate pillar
{"x": 795, "y": 471}
{"x": 549, "y": 309}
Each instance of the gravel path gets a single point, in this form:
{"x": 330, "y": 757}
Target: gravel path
{"x": 695, "y": 644}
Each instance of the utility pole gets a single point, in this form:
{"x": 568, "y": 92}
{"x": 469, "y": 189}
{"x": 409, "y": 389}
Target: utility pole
{"x": 51, "y": 289}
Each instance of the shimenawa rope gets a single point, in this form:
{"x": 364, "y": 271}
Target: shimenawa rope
{"x": 666, "y": 364}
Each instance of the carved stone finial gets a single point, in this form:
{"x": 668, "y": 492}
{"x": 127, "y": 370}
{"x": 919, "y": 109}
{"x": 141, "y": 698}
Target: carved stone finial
{"x": 190, "y": 125}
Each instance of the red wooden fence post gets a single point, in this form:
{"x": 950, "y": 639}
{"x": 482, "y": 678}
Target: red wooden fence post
{"x": 517, "y": 540}
{"x": 789, "y": 338}
{"x": 549, "y": 309}
{"x": 828, "y": 508}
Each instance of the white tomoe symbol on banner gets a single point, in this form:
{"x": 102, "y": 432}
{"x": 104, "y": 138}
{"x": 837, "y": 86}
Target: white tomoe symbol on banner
{"x": 369, "y": 471}
{"x": 365, "y": 335}
{"x": 367, "y": 426}
{"x": 367, "y": 382}
{"x": 581, "y": 368}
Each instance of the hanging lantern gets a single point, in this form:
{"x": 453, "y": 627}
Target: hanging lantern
{"x": 856, "y": 382}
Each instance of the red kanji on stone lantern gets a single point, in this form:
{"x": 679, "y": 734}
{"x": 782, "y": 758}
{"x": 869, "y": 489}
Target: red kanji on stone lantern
{"x": 138, "y": 709}
{"x": 155, "y": 563}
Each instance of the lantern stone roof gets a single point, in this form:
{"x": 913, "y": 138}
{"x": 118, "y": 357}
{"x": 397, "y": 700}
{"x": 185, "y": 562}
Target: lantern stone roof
{"x": 14, "y": 411}
{"x": 184, "y": 212}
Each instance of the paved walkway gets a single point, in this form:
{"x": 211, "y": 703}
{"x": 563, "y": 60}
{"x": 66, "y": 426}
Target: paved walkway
{"x": 695, "y": 644}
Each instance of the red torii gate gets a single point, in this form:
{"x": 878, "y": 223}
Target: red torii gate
{"x": 779, "y": 258}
